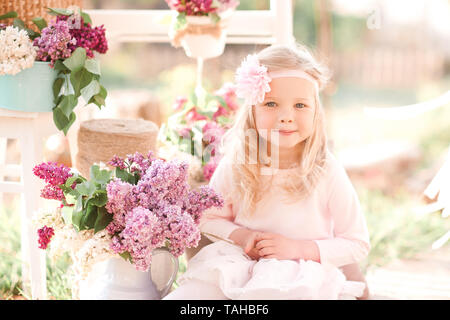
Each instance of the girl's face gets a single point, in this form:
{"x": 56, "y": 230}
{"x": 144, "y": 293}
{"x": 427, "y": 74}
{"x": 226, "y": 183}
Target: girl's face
{"x": 287, "y": 111}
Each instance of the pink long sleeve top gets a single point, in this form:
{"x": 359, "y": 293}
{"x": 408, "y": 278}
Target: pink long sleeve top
{"x": 331, "y": 215}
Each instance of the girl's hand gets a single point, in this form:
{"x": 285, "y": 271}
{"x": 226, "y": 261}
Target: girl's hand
{"x": 273, "y": 245}
{"x": 246, "y": 239}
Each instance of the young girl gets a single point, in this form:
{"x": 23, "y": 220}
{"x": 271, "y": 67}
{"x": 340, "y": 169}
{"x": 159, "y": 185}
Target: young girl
{"x": 292, "y": 219}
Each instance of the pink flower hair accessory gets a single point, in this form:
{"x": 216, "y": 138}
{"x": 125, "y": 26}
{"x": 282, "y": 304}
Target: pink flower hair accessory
{"x": 252, "y": 80}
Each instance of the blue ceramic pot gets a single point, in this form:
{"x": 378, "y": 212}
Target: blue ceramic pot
{"x": 30, "y": 90}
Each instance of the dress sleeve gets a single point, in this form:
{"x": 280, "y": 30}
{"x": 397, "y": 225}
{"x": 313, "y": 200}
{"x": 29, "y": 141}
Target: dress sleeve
{"x": 350, "y": 243}
{"x": 220, "y": 221}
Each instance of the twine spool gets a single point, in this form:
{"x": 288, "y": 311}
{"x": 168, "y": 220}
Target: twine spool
{"x": 100, "y": 139}
{"x": 29, "y": 9}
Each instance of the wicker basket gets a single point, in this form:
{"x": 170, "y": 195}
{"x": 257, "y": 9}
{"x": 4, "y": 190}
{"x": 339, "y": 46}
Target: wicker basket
{"x": 29, "y": 9}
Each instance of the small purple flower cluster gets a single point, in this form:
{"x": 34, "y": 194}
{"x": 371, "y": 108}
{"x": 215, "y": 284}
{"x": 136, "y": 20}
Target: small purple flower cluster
{"x": 54, "y": 42}
{"x": 201, "y": 7}
{"x": 45, "y": 234}
{"x": 92, "y": 39}
{"x": 54, "y": 175}
{"x": 159, "y": 208}
{"x": 135, "y": 163}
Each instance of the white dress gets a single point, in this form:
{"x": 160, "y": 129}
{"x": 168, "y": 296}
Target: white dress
{"x": 330, "y": 216}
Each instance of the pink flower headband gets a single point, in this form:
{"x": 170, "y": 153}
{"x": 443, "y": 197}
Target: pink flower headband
{"x": 252, "y": 79}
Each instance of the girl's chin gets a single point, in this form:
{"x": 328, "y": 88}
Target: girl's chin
{"x": 286, "y": 143}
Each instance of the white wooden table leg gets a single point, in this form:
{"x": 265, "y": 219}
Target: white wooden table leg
{"x": 34, "y": 265}
{"x": 3, "y": 145}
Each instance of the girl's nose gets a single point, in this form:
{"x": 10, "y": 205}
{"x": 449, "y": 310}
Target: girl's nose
{"x": 286, "y": 120}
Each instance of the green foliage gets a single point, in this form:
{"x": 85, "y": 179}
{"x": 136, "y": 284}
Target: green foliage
{"x": 85, "y": 205}
{"x": 395, "y": 230}
{"x": 77, "y": 76}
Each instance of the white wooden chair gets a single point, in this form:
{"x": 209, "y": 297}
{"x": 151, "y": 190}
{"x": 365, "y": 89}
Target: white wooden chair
{"x": 29, "y": 128}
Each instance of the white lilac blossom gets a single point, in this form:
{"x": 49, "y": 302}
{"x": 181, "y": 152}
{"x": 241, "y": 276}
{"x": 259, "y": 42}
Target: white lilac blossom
{"x": 16, "y": 51}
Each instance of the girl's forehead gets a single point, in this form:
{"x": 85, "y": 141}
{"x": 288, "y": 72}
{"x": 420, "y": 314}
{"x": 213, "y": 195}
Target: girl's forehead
{"x": 286, "y": 87}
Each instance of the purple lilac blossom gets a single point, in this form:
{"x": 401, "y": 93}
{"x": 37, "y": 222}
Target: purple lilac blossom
{"x": 54, "y": 42}
{"x": 160, "y": 207}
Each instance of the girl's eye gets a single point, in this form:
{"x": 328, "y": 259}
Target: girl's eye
{"x": 270, "y": 104}
{"x": 300, "y": 105}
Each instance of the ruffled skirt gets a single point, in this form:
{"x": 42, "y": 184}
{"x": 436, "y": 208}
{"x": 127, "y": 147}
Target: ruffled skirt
{"x": 240, "y": 278}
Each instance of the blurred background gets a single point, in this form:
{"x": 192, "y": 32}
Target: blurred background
{"x": 382, "y": 54}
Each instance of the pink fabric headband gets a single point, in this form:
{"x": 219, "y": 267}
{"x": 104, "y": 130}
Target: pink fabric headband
{"x": 252, "y": 79}
{"x": 295, "y": 74}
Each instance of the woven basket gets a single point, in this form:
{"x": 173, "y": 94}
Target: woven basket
{"x": 27, "y": 10}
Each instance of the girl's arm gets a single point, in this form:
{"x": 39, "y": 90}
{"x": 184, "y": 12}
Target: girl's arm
{"x": 220, "y": 221}
{"x": 350, "y": 243}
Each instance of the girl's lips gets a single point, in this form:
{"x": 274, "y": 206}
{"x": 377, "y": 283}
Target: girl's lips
{"x": 287, "y": 132}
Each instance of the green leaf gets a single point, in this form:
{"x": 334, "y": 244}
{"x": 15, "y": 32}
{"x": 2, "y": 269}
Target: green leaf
{"x": 71, "y": 199}
{"x": 99, "y": 100}
{"x": 214, "y": 17}
{"x": 103, "y": 92}
{"x": 60, "y": 120}
{"x": 90, "y": 90}
{"x": 76, "y": 61}
{"x": 31, "y": 34}
{"x": 80, "y": 79}
{"x": 93, "y": 66}
{"x": 71, "y": 121}
{"x": 67, "y": 104}
{"x": 77, "y": 214}
{"x": 100, "y": 176}
{"x": 39, "y": 22}
{"x": 127, "y": 256}
{"x": 60, "y": 66}
{"x": 86, "y": 188}
{"x": 125, "y": 176}
{"x": 86, "y": 17}
{"x": 180, "y": 21}
{"x": 99, "y": 198}
{"x": 67, "y": 212}
{"x": 57, "y": 85}
{"x": 94, "y": 170}
{"x": 103, "y": 219}
{"x": 89, "y": 217}
{"x": 19, "y": 24}
{"x": 9, "y": 15}
{"x": 58, "y": 11}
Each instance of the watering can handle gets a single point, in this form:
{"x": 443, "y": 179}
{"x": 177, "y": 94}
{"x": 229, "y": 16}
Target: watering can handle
{"x": 163, "y": 292}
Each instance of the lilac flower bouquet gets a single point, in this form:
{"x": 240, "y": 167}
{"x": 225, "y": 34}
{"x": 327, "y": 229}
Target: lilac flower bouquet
{"x": 212, "y": 8}
{"x": 69, "y": 43}
{"x": 143, "y": 204}
{"x": 197, "y": 129}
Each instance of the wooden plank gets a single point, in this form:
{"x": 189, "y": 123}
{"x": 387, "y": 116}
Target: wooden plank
{"x": 244, "y": 26}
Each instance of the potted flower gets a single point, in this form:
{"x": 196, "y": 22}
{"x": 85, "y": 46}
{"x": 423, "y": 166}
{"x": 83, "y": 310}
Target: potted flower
{"x": 197, "y": 129}
{"x": 121, "y": 216}
{"x": 200, "y": 26}
{"x": 65, "y": 66}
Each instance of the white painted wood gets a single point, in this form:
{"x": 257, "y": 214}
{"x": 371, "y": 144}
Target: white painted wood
{"x": 29, "y": 128}
{"x": 12, "y": 170}
{"x": 3, "y": 169}
{"x": 283, "y": 26}
{"x": 245, "y": 26}
{"x": 11, "y": 187}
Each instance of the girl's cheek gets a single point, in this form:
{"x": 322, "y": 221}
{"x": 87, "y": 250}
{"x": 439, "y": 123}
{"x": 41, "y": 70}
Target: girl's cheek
{"x": 263, "y": 121}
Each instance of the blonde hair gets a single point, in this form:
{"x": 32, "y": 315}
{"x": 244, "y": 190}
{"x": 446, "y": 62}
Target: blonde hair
{"x": 237, "y": 150}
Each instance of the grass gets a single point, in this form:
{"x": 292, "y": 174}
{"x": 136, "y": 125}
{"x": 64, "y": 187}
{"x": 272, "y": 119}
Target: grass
{"x": 396, "y": 231}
